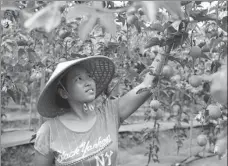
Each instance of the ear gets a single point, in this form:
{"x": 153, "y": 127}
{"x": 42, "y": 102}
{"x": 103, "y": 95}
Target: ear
{"x": 62, "y": 93}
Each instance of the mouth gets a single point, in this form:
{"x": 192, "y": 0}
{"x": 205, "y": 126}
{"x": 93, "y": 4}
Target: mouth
{"x": 91, "y": 90}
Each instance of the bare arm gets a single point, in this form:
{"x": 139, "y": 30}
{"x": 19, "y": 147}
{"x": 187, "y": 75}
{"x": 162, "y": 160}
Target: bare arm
{"x": 131, "y": 101}
{"x": 43, "y": 160}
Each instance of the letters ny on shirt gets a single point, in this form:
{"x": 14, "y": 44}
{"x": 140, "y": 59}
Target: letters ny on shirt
{"x": 104, "y": 159}
{"x": 86, "y": 149}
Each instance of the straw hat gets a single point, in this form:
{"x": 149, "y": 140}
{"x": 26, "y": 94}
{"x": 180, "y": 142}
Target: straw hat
{"x": 101, "y": 68}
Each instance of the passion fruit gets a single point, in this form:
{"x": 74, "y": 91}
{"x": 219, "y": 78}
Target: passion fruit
{"x": 157, "y": 114}
{"x": 167, "y": 71}
{"x": 202, "y": 140}
{"x": 131, "y": 19}
{"x": 214, "y": 111}
{"x": 176, "y": 108}
{"x": 195, "y": 52}
{"x": 155, "y": 104}
{"x": 195, "y": 80}
{"x": 176, "y": 78}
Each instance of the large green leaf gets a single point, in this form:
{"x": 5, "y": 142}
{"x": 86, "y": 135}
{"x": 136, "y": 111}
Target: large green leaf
{"x": 86, "y": 27}
{"x": 107, "y": 20}
{"x": 223, "y": 23}
{"x": 48, "y": 18}
{"x": 152, "y": 42}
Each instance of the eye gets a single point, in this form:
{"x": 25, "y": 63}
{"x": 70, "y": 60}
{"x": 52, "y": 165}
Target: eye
{"x": 78, "y": 78}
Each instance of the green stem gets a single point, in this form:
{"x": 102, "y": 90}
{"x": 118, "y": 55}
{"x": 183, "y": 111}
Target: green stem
{"x": 0, "y": 86}
{"x": 30, "y": 109}
{"x": 42, "y": 82}
{"x": 191, "y": 129}
{"x": 217, "y": 12}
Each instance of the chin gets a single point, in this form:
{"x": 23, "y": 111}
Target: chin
{"x": 90, "y": 99}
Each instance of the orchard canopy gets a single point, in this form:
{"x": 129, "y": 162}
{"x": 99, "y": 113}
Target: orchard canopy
{"x": 185, "y": 38}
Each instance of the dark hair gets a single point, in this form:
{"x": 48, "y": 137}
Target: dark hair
{"x": 61, "y": 102}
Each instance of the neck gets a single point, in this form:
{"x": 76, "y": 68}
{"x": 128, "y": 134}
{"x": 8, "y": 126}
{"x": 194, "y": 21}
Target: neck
{"x": 78, "y": 110}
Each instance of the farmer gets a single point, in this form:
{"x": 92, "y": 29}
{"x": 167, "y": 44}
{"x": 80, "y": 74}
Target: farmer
{"x": 77, "y": 133}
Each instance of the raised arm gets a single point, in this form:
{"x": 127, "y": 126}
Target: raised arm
{"x": 131, "y": 101}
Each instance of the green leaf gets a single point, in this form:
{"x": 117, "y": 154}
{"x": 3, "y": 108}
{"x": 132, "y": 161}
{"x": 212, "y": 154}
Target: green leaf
{"x": 107, "y": 20}
{"x": 21, "y": 52}
{"x": 171, "y": 58}
{"x": 131, "y": 74}
{"x": 22, "y": 43}
{"x": 32, "y": 55}
{"x": 174, "y": 8}
{"x": 86, "y": 27}
{"x": 188, "y": 7}
{"x": 137, "y": 26}
{"x": 223, "y": 23}
{"x": 176, "y": 24}
{"x": 14, "y": 95}
{"x": 22, "y": 87}
{"x": 157, "y": 27}
{"x": 204, "y": 56}
{"x": 152, "y": 42}
{"x": 185, "y": 120}
{"x": 164, "y": 93}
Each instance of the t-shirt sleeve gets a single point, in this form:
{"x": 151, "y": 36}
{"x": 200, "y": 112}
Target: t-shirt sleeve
{"x": 42, "y": 141}
{"x": 112, "y": 107}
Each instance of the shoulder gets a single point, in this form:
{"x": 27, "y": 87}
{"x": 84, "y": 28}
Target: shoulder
{"x": 45, "y": 127}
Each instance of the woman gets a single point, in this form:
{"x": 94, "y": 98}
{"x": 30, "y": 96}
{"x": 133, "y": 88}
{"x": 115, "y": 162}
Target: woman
{"x": 76, "y": 133}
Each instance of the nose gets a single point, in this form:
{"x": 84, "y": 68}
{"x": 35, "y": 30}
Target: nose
{"x": 88, "y": 82}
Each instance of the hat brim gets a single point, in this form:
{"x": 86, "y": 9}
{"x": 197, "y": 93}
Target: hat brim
{"x": 101, "y": 68}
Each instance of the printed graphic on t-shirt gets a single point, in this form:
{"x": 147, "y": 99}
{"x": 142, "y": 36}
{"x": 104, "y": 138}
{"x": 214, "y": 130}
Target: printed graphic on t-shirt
{"x": 88, "y": 149}
{"x": 104, "y": 159}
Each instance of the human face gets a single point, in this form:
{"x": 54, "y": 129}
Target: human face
{"x": 80, "y": 86}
